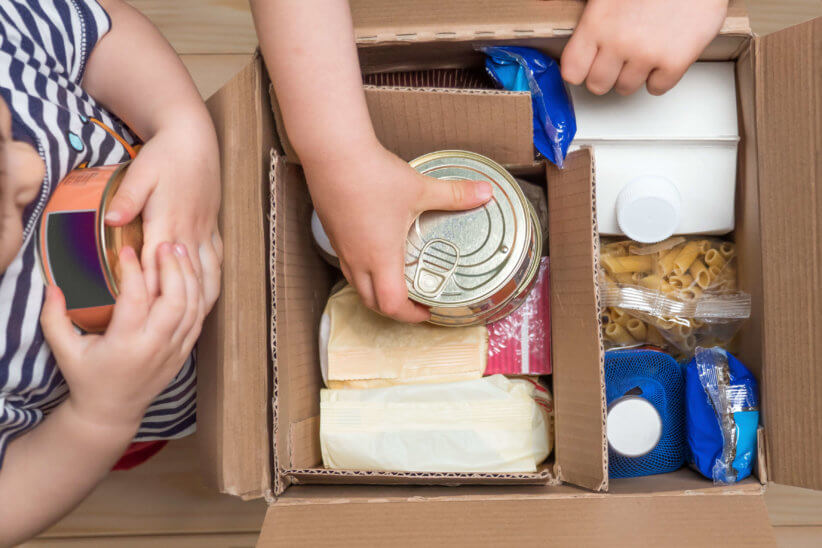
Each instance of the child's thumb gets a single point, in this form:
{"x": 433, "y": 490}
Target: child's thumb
{"x": 443, "y": 195}
{"x": 57, "y": 326}
{"x": 131, "y": 197}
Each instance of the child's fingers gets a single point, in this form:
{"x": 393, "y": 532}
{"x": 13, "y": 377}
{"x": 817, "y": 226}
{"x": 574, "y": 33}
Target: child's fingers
{"x": 362, "y": 282}
{"x": 212, "y": 274}
{"x": 131, "y": 197}
{"x": 168, "y": 310}
{"x": 633, "y": 75}
{"x": 194, "y": 296}
{"x": 131, "y": 307}
{"x": 664, "y": 78}
{"x": 577, "y": 57}
{"x": 63, "y": 340}
{"x": 443, "y": 195}
{"x": 604, "y": 72}
{"x": 392, "y": 295}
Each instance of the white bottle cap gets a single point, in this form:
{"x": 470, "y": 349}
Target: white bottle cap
{"x": 320, "y": 236}
{"x": 648, "y": 209}
{"x": 634, "y": 426}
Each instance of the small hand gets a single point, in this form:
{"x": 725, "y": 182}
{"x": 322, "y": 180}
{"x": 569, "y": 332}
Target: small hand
{"x": 367, "y": 206}
{"x": 175, "y": 183}
{"x": 623, "y": 45}
{"x": 113, "y": 377}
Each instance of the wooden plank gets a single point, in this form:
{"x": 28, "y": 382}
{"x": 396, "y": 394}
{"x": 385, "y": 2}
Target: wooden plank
{"x": 793, "y": 506}
{"x": 771, "y": 15}
{"x": 203, "y": 26}
{"x": 239, "y": 540}
{"x": 798, "y": 537}
{"x": 163, "y": 496}
{"x": 210, "y": 72}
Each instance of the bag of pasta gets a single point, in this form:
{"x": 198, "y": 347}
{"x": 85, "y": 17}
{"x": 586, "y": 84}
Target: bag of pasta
{"x": 674, "y": 294}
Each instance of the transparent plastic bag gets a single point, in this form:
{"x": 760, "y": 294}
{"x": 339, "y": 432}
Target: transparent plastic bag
{"x": 721, "y": 428}
{"x": 525, "y": 69}
{"x": 520, "y": 343}
{"x": 675, "y": 294}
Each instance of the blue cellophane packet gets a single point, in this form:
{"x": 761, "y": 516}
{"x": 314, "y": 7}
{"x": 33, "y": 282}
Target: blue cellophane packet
{"x": 524, "y": 69}
{"x": 722, "y": 415}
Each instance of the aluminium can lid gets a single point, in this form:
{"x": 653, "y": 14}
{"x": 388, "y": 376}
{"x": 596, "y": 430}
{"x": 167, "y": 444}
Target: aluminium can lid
{"x": 461, "y": 258}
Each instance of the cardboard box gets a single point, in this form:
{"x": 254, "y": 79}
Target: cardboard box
{"x": 259, "y": 376}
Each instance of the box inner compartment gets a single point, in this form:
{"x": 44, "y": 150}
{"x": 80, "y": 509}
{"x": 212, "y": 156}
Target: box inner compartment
{"x": 302, "y": 280}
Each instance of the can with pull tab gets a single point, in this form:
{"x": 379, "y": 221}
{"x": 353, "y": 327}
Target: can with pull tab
{"x": 477, "y": 266}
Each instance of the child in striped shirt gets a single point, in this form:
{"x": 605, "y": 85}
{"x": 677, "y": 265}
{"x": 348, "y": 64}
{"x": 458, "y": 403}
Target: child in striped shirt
{"x": 80, "y": 82}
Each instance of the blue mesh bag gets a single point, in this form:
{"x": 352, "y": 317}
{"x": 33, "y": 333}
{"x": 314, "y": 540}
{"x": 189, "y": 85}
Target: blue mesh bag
{"x": 640, "y": 377}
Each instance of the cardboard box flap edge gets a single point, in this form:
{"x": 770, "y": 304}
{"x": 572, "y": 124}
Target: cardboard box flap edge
{"x": 570, "y": 518}
{"x": 376, "y": 21}
{"x": 576, "y": 341}
{"x": 233, "y": 380}
{"x": 789, "y": 138}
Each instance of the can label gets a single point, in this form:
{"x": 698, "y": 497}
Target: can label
{"x": 77, "y": 252}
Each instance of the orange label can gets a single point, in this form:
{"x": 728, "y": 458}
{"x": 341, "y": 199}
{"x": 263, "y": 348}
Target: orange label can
{"x": 78, "y": 252}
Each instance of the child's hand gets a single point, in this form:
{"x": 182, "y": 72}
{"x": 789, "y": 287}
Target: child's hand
{"x": 367, "y": 204}
{"x": 114, "y": 377}
{"x": 622, "y": 45}
{"x": 175, "y": 183}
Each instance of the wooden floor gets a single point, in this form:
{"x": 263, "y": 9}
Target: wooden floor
{"x": 163, "y": 503}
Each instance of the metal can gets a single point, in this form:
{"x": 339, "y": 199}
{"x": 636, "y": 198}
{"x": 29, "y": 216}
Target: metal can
{"x": 78, "y": 252}
{"x": 473, "y": 267}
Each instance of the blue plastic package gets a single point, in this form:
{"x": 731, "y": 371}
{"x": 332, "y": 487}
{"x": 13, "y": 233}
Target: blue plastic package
{"x": 525, "y": 69}
{"x": 722, "y": 415}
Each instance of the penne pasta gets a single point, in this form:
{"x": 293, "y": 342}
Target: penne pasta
{"x": 714, "y": 258}
{"x": 618, "y": 265}
{"x": 619, "y": 316}
{"x": 681, "y": 282}
{"x": 686, "y": 257}
{"x": 654, "y": 337}
{"x": 624, "y": 277}
{"x": 727, "y": 250}
{"x": 683, "y": 331}
{"x": 605, "y": 318}
{"x": 691, "y": 293}
{"x": 665, "y": 265}
{"x": 655, "y": 282}
{"x": 696, "y": 323}
{"x": 700, "y": 274}
{"x": 617, "y": 334}
{"x": 637, "y": 329}
{"x": 703, "y": 245}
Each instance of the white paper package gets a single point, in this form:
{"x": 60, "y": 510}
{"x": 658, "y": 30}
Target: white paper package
{"x": 492, "y": 424}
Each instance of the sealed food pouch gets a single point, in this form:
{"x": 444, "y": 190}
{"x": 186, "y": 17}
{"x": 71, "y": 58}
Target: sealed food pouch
{"x": 493, "y": 424}
{"x": 674, "y": 294}
{"x": 362, "y": 349}
{"x": 722, "y": 415}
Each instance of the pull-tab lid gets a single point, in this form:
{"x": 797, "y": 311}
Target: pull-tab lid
{"x": 648, "y": 209}
{"x": 459, "y": 258}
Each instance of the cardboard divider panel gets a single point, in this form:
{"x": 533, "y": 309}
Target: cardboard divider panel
{"x": 411, "y": 122}
{"x": 300, "y": 284}
{"x": 359, "y": 477}
{"x": 232, "y": 367}
{"x": 789, "y": 134}
{"x": 577, "y": 350}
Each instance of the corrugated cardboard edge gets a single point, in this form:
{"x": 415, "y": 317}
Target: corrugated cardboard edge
{"x": 451, "y": 479}
{"x": 379, "y": 23}
{"x": 789, "y": 136}
{"x": 232, "y": 411}
{"x": 572, "y": 211}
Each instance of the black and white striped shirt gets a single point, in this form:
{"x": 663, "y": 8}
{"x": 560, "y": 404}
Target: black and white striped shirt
{"x": 44, "y": 46}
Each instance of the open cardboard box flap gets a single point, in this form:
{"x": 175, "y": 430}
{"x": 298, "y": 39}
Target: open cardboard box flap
{"x": 526, "y": 516}
{"x": 789, "y": 134}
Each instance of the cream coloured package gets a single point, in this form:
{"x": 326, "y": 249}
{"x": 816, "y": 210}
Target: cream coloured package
{"x": 493, "y": 424}
{"x": 361, "y": 349}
